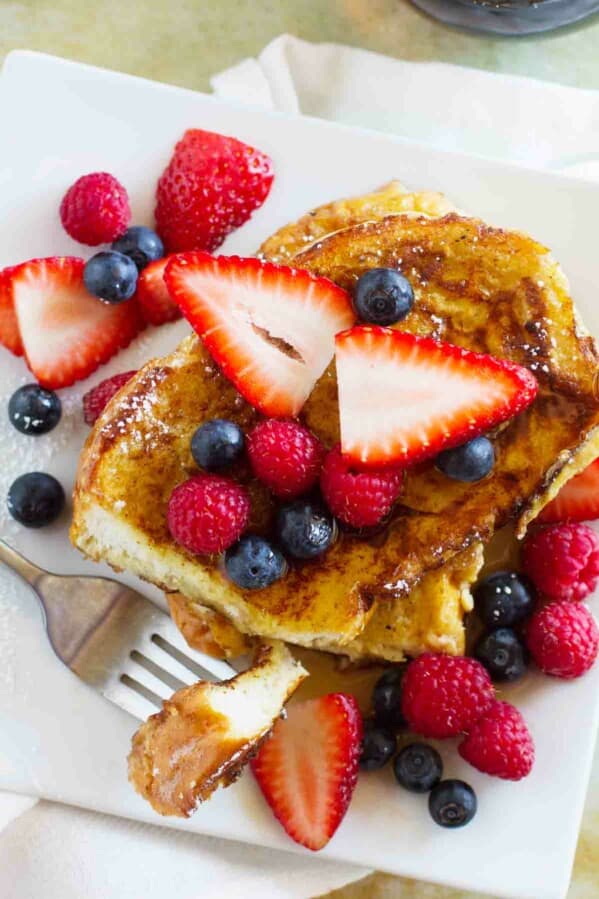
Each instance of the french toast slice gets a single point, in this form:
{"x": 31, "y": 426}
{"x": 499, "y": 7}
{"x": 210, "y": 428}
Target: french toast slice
{"x": 428, "y": 619}
{"x": 139, "y": 450}
{"x": 205, "y": 734}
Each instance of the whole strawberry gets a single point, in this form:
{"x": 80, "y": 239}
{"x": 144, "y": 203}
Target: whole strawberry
{"x": 563, "y": 639}
{"x": 443, "y": 696}
{"x": 211, "y": 186}
{"x": 285, "y": 456}
{"x": 500, "y": 744}
{"x": 95, "y": 209}
{"x": 563, "y": 561}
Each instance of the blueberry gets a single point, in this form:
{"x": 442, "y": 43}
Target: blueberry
{"x": 305, "y": 529}
{"x": 383, "y": 296}
{"x": 504, "y": 598}
{"x": 254, "y": 563}
{"x": 217, "y": 444}
{"x": 140, "y": 244}
{"x": 110, "y": 276}
{"x": 386, "y": 699}
{"x": 34, "y": 410}
{"x": 35, "y": 499}
{"x": 469, "y": 462}
{"x": 452, "y": 803}
{"x": 378, "y": 746}
{"x": 502, "y": 654}
{"x": 418, "y": 767}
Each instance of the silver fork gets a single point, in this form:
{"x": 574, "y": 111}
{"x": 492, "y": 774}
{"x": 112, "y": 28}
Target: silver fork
{"x": 115, "y": 639}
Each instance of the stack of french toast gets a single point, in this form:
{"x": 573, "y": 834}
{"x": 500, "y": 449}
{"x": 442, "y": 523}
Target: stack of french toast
{"x": 402, "y": 589}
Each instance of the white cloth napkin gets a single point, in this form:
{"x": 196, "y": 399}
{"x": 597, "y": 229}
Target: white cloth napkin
{"x": 65, "y": 853}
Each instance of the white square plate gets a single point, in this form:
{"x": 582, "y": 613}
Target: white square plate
{"x": 57, "y": 738}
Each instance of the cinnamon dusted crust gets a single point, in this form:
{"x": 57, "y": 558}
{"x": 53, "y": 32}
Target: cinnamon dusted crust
{"x": 206, "y": 733}
{"x": 206, "y": 630}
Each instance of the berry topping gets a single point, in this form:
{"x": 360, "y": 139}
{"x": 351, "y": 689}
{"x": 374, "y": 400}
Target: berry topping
{"x": 502, "y": 654}
{"x": 383, "y": 296}
{"x": 500, "y": 743}
{"x": 470, "y": 462}
{"x": 386, "y": 699}
{"x": 285, "y": 456}
{"x": 95, "y": 209}
{"x": 358, "y": 498}
{"x": 304, "y": 529}
{"x": 253, "y": 563}
{"x": 452, "y": 803}
{"x": 563, "y": 561}
{"x": 563, "y": 639}
{"x": 418, "y": 767}
{"x": 207, "y": 513}
{"x": 34, "y": 410}
{"x": 96, "y": 399}
{"x": 140, "y": 244}
{"x": 66, "y": 332}
{"x": 504, "y": 598}
{"x": 10, "y": 336}
{"x": 35, "y": 499}
{"x": 217, "y": 444}
{"x": 578, "y": 500}
{"x": 442, "y": 696}
{"x": 110, "y": 276}
{"x": 308, "y": 769}
{"x": 404, "y": 398}
{"x": 270, "y": 328}
{"x": 211, "y": 186}
{"x": 378, "y": 746}
{"x": 152, "y": 294}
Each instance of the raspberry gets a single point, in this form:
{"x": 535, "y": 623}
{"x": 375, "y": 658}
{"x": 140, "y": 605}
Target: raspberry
{"x": 285, "y": 456}
{"x": 207, "y": 513}
{"x": 563, "y": 639}
{"x": 360, "y": 499}
{"x": 95, "y": 209}
{"x": 563, "y": 561}
{"x": 500, "y": 744}
{"x": 443, "y": 696}
{"x": 96, "y": 399}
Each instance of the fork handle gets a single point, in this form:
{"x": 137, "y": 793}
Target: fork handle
{"x": 26, "y": 569}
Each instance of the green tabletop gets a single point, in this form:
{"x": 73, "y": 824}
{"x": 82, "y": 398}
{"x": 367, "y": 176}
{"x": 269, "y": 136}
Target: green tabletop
{"x": 185, "y": 41}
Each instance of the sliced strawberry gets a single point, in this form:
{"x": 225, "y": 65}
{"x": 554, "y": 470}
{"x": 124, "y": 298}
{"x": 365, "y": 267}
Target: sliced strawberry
{"x": 404, "y": 398}
{"x": 96, "y": 399}
{"x": 270, "y": 328}
{"x": 152, "y": 294}
{"x": 211, "y": 186}
{"x": 67, "y": 333}
{"x": 308, "y": 768}
{"x": 9, "y": 327}
{"x": 578, "y": 500}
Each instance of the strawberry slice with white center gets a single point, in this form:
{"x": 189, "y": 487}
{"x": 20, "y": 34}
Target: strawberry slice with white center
{"x": 308, "y": 768}
{"x": 270, "y": 328}
{"x": 403, "y": 398}
{"x": 578, "y": 500}
{"x": 67, "y": 333}
{"x": 9, "y": 327}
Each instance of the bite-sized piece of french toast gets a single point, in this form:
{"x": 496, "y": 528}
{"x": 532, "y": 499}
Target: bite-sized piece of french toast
{"x": 392, "y": 198}
{"x": 206, "y": 733}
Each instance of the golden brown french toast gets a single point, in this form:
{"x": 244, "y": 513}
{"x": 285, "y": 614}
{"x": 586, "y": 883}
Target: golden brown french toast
{"x": 479, "y": 287}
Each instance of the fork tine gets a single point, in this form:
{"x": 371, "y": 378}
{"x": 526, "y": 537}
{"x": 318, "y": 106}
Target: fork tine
{"x": 150, "y": 665}
{"x": 147, "y": 678}
{"x": 201, "y": 666}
